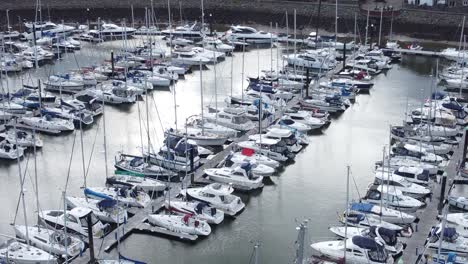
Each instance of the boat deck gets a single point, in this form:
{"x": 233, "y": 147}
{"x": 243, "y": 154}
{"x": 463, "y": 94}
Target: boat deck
{"x": 415, "y": 249}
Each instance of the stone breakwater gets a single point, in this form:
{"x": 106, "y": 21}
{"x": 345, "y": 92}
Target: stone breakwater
{"x": 420, "y": 23}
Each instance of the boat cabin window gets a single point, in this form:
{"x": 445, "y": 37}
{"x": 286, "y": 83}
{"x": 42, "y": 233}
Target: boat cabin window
{"x": 72, "y": 219}
{"x": 358, "y": 253}
{"x": 374, "y": 195}
{"x": 378, "y": 255}
{"x": 209, "y": 195}
{"x": 240, "y": 119}
{"x": 84, "y": 221}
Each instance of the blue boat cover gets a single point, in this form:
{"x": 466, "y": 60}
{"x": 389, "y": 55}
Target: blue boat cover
{"x": 453, "y": 106}
{"x": 365, "y": 242}
{"x": 362, "y": 207}
{"x": 89, "y": 192}
{"x": 246, "y": 166}
{"x": 107, "y": 203}
{"x": 449, "y": 232}
{"x": 438, "y": 95}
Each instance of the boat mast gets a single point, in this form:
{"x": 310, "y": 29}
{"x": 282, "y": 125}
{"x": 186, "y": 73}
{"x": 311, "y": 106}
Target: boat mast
{"x": 382, "y": 183}
{"x": 180, "y": 14}
{"x": 133, "y": 17}
{"x": 380, "y": 27}
{"x": 215, "y": 87}
{"x": 390, "y": 36}
{"x": 256, "y": 253}
{"x": 461, "y": 36}
{"x": 462, "y": 68}
{"x": 104, "y": 132}
{"x": 336, "y": 22}
{"x": 35, "y": 174}
{"x": 232, "y": 69}
{"x": 444, "y": 222}
{"x": 65, "y": 225}
{"x": 295, "y": 41}
{"x": 21, "y": 183}
{"x": 271, "y": 47}
{"x": 347, "y": 211}
{"x": 277, "y": 50}
{"x": 147, "y": 119}
{"x": 243, "y": 68}
{"x": 170, "y": 24}
{"x": 201, "y": 97}
{"x": 367, "y": 29}
{"x": 287, "y": 38}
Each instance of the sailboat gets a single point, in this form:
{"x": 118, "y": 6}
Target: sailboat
{"x": 18, "y": 252}
{"x": 183, "y": 224}
{"x": 240, "y": 177}
{"x": 128, "y": 196}
{"x": 105, "y": 210}
{"x": 52, "y": 241}
{"x": 199, "y": 210}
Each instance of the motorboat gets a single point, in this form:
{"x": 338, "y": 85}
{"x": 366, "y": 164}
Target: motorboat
{"x": 383, "y": 213}
{"x": 127, "y": 196}
{"x": 359, "y": 219}
{"x": 288, "y": 121}
{"x": 395, "y": 182}
{"x": 55, "y": 242}
{"x": 382, "y": 235}
{"x": 199, "y": 210}
{"x": 46, "y": 28}
{"x": 192, "y": 32}
{"x": 322, "y": 105}
{"x": 392, "y": 198}
{"x": 211, "y": 127}
{"x": 218, "y": 196}
{"x": 270, "y": 148}
{"x": 190, "y": 58}
{"x": 112, "y": 31}
{"x": 240, "y": 177}
{"x": 14, "y": 251}
{"x": 306, "y": 118}
{"x": 403, "y": 161}
{"x": 47, "y": 123}
{"x": 308, "y": 60}
{"x": 183, "y": 224}
{"x": 85, "y": 101}
{"x": 164, "y": 72}
{"x": 12, "y": 108}
{"x": 249, "y": 35}
{"x": 256, "y": 169}
{"x": 66, "y": 113}
{"x": 459, "y": 221}
{"x": 451, "y": 242}
{"x": 284, "y": 136}
{"x": 10, "y": 151}
{"x": 22, "y": 138}
{"x": 107, "y": 211}
{"x": 416, "y": 175}
{"x": 63, "y": 84}
{"x": 358, "y": 249}
{"x": 142, "y": 80}
{"x": 417, "y": 152}
{"x": 138, "y": 166}
{"x": 146, "y": 184}
{"x": 200, "y": 136}
{"x": 176, "y": 154}
{"x": 75, "y": 221}
{"x": 231, "y": 117}
{"x": 216, "y": 44}
{"x": 249, "y": 155}
{"x": 459, "y": 202}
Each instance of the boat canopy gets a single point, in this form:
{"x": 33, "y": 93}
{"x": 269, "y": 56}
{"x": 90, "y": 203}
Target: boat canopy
{"x": 438, "y": 95}
{"x": 388, "y": 235}
{"x": 107, "y": 203}
{"x": 366, "y": 242}
{"x": 362, "y": 207}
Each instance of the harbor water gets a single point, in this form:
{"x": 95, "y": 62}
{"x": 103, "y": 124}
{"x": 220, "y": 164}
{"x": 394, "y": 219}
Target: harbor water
{"x": 313, "y": 187}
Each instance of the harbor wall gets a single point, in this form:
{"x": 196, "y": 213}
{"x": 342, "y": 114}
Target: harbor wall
{"x": 420, "y": 23}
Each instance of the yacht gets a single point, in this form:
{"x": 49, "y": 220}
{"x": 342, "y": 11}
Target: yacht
{"x": 218, "y": 196}
{"x": 127, "y": 196}
{"x": 392, "y": 198}
{"x": 199, "y": 210}
{"x": 176, "y": 154}
{"x": 216, "y": 44}
{"x": 45, "y": 29}
{"x": 411, "y": 174}
{"x": 14, "y": 251}
{"x": 403, "y": 161}
{"x": 200, "y": 136}
{"x": 306, "y": 118}
{"x": 459, "y": 221}
{"x": 249, "y": 35}
{"x": 249, "y": 155}
{"x": 193, "y": 32}
{"x": 138, "y": 166}
{"x": 359, "y": 219}
{"x": 395, "y": 182}
{"x": 65, "y": 84}
{"x": 416, "y": 152}
{"x": 285, "y": 136}
{"x": 22, "y": 138}
{"x": 384, "y": 213}
{"x": 55, "y": 242}
{"x": 112, "y": 31}
{"x": 190, "y": 58}
{"x": 148, "y": 185}
{"x": 308, "y": 60}
{"x": 382, "y": 235}
{"x": 231, "y": 117}
{"x": 451, "y": 242}
{"x": 105, "y": 210}
{"x": 75, "y": 220}
{"x": 288, "y": 121}
{"x": 113, "y": 95}
{"x": 210, "y": 127}
{"x": 183, "y": 224}
{"x": 359, "y": 250}
{"x": 48, "y": 123}
{"x": 240, "y": 177}
{"x": 271, "y": 148}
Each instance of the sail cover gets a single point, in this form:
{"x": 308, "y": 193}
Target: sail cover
{"x": 362, "y": 207}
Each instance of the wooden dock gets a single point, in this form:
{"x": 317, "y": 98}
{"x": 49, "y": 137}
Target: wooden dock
{"x": 415, "y": 250}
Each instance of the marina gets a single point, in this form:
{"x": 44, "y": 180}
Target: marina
{"x": 179, "y": 146}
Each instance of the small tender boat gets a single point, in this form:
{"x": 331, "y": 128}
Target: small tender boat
{"x": 55, "y": 242}
{"x": 13, "y": 251}
{"x": 240, "y": 177}
{"x": 75, "y": 220}
{"x": 105, "y": 210}
{"x": 198, "y": 210}
{"x": 183, "y": 224}
{"x": 124, "y": 195}
{"x": 218, "y": 196}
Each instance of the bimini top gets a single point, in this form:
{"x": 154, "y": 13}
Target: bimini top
{"x": 362, "y": 207}
{"x": 367, "y": 243}
{"x": 388, "y": 235}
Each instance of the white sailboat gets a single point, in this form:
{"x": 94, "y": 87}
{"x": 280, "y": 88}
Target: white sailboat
{"x": 183, "y": 224}
{"x": 199, "y": 210}
{"x": 105, "y": 210}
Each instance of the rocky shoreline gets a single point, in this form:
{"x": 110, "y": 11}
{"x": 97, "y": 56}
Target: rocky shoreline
{"x": 416, "y": 23}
